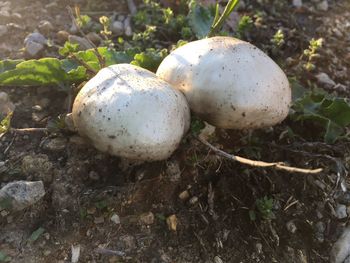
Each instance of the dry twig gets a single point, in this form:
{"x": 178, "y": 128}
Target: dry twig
{"x": 276, "y": 165}
{"x": 101, "y": 60}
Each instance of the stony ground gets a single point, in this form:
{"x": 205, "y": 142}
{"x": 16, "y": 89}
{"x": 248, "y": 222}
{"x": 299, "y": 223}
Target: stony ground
{"x": 194, "y": 207}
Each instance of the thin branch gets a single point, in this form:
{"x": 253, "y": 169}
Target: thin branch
{"x": 101, "y": 60}
{"x": 89, "y": 69}
{"x": 276, "y": 165}
{"x": 105, "y": 251}
{"x": 28, "y": 130}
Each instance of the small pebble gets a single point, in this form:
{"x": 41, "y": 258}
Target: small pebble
{"x": 62, "y": 36}
{"x": 340, "y": 211}
{"x": 45, "y": 26}
{"x": 21, "y": 194}
{"x": 147, "y": 218}
{"x": 217, "y": 259}
{"x": 184, "y": 195}
{"x": 82, "y": 42}
{"x": 99, "y": 220}
{"x": 172, "y": 222}
{"x": 117, "y": 28}
{"x": 291, "y": 227}
{"x": 193, "y": 200}
{"x": 297, "y": 3}
{"x": 115, "y": 219}
{"x": 322, "y": 6}
{"x": 324, "y": 79}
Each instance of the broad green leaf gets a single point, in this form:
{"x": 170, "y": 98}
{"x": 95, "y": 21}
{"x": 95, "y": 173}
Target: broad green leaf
{"x": 52, "y": 71}
{"x": 36, "y": 234}
{"x": 150, "y": 59}
{"x": 116, "y": 57}
{"x": 45, "y": 71}
{"x": 331, "y": 113}
{"x": 9, "y": 64}
{"x": 200, "y": 19}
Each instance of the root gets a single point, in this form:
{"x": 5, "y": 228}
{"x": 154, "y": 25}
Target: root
{"x": 275, "y": 165}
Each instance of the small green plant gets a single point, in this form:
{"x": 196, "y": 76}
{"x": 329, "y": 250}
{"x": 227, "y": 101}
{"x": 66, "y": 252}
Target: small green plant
{"x": 5, "y": 123}
{"x": 311, "y": 53}
{"x": 4, "y": 257}
{"x": 264, "y": 207}
{"x": 196, "y": 126}
{"x": 244, "y": 25}
{"x": 106, "y": 32}
{"x": 278, "y": 39}
{"x": 81, "y": 20}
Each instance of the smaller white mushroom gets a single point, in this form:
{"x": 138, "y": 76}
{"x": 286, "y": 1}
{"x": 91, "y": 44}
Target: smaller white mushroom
{"x": 129, "y": 112}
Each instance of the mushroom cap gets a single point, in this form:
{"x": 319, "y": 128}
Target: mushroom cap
{"x": 129, "y": 112}
{"x": 229, "y": 83}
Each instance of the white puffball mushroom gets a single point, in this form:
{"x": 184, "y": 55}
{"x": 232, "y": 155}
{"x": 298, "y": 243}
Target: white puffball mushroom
{"x": 229, "y": 83}
{"x": 129, "y": 112}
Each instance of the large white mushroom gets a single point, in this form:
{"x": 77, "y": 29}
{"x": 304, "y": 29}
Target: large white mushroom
{"x": 229, "y": 83}
{"x": 129, "y": 112}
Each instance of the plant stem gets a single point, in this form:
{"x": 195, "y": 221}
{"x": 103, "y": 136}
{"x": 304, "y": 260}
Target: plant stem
{"x": 101, "y": 60}
{"x": 218, "y": 22}
{"x": 276, "y": 165}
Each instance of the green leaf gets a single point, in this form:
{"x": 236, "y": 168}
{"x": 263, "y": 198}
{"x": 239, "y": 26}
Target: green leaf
{"x": 196, "y": 126}
{"x": 6, "y": 65}
{"x": 52, "y": 71}
{"x": 150, "y": 59}
{"x": 36, "y": 234}
{"x": 4, "y": 257}
{"x": 218, "y": 22}
{"x": 45, "y": 71}
{"x": 252, "y": 215}
{"x": 200, "y": 19}
{"x": 5, "y": 124}
{"x": 331, "y": 113}
{"x": 68, "y": 48}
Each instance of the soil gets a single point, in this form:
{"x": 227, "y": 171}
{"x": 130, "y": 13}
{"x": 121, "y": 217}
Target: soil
{"x": 212, "y": 199}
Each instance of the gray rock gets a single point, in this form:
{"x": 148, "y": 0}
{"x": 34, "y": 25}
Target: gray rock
{"x": 45, "y": 26}
{"x": 127, "y": 27}
{"x": 3, "y": 30}
{"x": 117, "y": 28}
{"x": 94, "y": 38}
{"x": 340, "y": 211}
{"x": 322, "y": 6}
{"x": 35, "y": 37}
{"x": 56, "y": 144}
{"x": 324, "y": 79}
{"x": 115, "y": 219}
{"x": 33, "y": 49}
{"x": 291, "y": 227}
{"x": 34, "y": 44}
{"x": 82, "y": 42}
{"x": 62, "y": 36}
{"x": 38, "y": 166}
{"x": 341, "y": 248}
{"x": 297, "y": 3}
{"x": 16, "y": 196}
